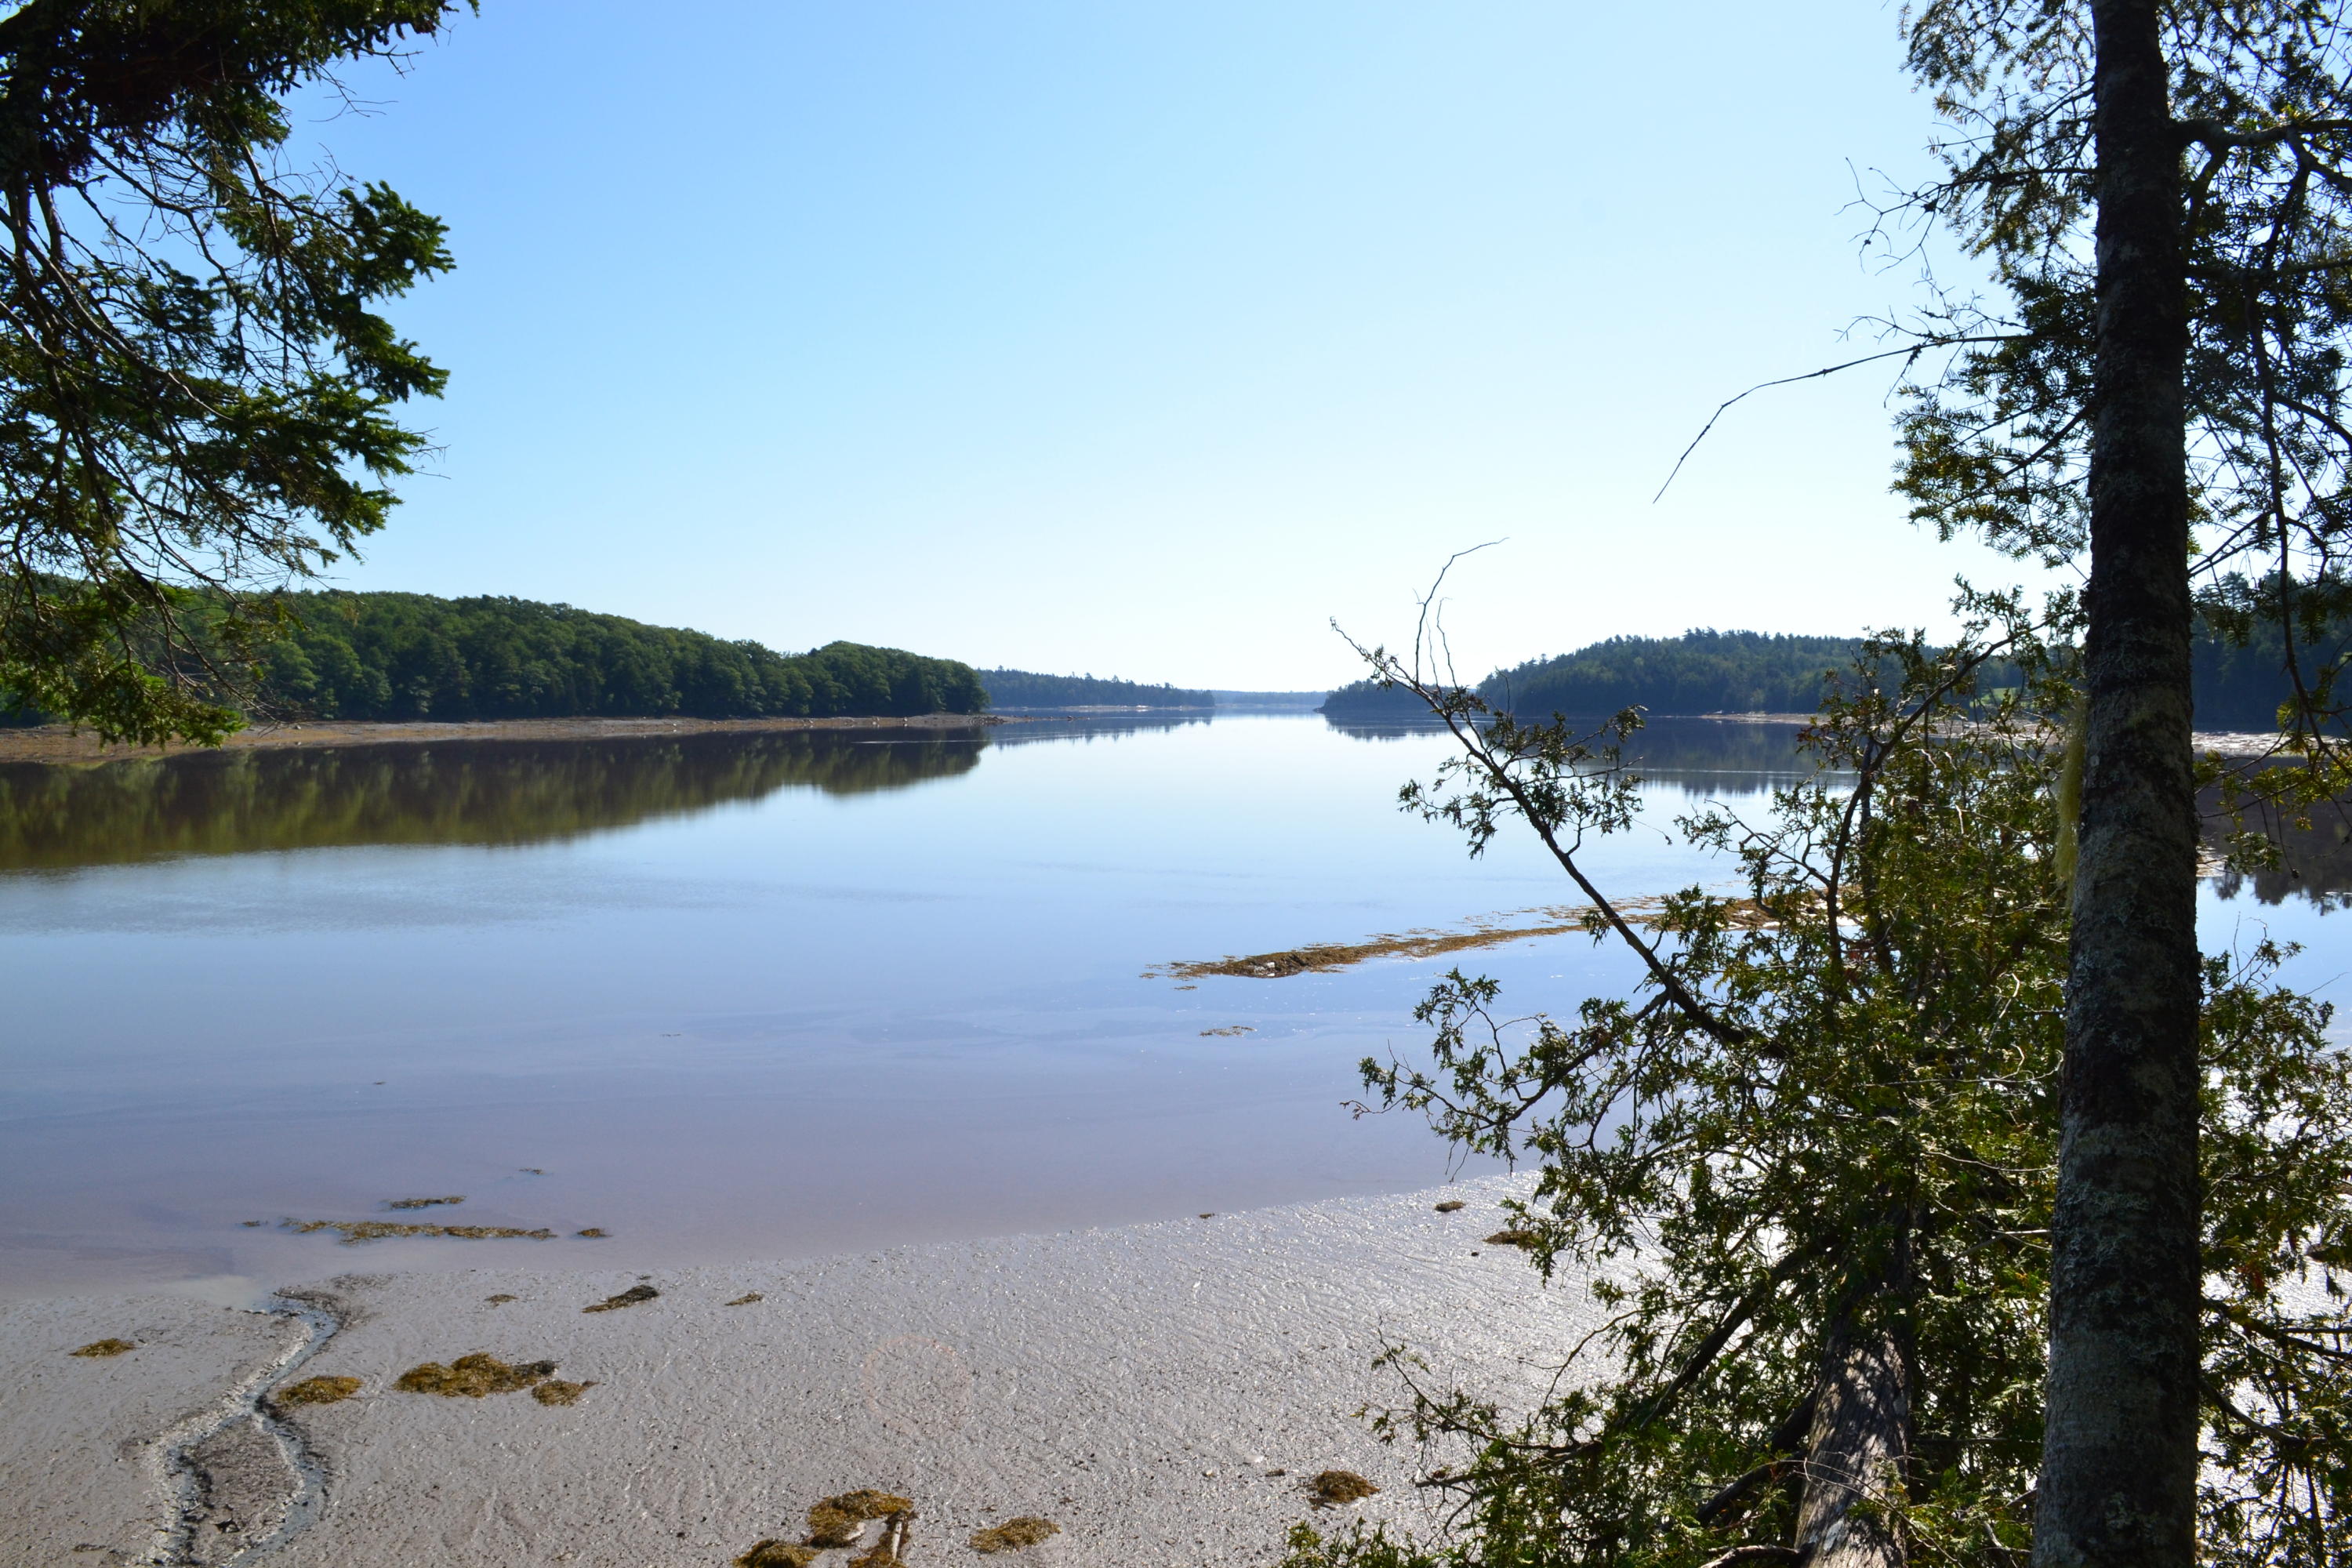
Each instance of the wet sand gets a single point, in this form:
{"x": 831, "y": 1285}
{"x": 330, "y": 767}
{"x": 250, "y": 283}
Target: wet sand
{"x": 56, "y": 743}
{"x": 1162, "y": 1393}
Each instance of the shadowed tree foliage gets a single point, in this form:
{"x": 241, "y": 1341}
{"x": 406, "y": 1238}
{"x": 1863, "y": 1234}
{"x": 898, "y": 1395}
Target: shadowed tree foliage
{"x": 1808, "y": 1168}
{"x": 197, "y": 392}
{"x": 2163, "y": 193}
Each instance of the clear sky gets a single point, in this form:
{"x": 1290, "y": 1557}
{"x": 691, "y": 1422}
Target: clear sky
{"x": 1143, "y": 338}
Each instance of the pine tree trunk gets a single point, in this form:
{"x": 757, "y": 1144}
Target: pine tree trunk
{"x": 2119, "y": 1460}
{"x": 1861, "y": 1419}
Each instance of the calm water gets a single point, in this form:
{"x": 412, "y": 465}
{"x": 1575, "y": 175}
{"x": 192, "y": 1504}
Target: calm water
{"x": 730, "y": 995}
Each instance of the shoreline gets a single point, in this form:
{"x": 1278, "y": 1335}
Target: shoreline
{"x": 58, "y": 744}
{"x": 1160, "y": 1391}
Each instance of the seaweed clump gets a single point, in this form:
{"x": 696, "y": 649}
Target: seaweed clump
{"x": 1332, "y": 1488}
{"x": 98, "y": 1349}
{"x": 629, "y": 1298}
{"x": 502, "y": 1299}
{"x": 473, "y": 1376}
{"x": 355, "y": 1230}
{"x": 1014, "y": 1534}
{"x": 556, "y": 1391}
{"x": 317, "y": 1391}
{"x": 593, "y": 1233}
{"x": 1521, "y": 1238}
{"x": 424, "y": 1203}
{"x": 1451, "y": 1206}
{"x": 746, "y": 1299}
{"x": 778, "y": 1554}
{"x": 837, "y": 1519}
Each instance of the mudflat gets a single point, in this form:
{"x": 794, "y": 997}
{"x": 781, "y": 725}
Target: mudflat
{"x": 1157, "y": 1394}
{"x": 57, "y": 744}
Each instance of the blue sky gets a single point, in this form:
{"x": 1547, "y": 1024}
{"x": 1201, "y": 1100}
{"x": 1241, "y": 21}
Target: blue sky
{"x": 1145, "y": 339}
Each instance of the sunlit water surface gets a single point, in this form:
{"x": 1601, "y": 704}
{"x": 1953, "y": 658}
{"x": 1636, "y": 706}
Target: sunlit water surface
{"x": 739, "y": 995}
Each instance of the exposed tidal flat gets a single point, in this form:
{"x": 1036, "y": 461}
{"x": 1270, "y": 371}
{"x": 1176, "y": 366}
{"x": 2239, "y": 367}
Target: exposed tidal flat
{"x": 931, "y": 1041}
{"x": 1164, "y": 1393}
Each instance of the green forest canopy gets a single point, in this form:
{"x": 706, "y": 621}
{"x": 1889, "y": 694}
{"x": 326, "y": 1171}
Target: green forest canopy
{"x": 412, "y": 656}
{"x": 1705, "y": 671}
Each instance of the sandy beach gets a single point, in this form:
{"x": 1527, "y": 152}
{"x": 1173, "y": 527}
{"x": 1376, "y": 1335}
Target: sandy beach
{"x": 1161, "y": 1393}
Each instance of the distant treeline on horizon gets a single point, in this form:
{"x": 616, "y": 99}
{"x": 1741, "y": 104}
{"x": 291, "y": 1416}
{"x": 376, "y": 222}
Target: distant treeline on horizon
{"x": 1699, "y": 672}
{"x": 1025, "y": 689}
{"x": 1705, "y": 671}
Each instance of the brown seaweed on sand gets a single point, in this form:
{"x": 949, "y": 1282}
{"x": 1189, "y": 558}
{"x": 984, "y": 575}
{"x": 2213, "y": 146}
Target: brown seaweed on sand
{"x": 1014, "y": 1534}
{"x": 629, "y": 1298}
{"x": 1332, "y": 1488}
{"x": 1520, "y": 1238}
{"x": 884, "y": 1555}
{"x": 746, "y": 1299}
{"x": 356, "y": 1230}
{"x": 1323, "y": 957}
{"x": 473, "y": 1376}
{"x": 778, "y": 1554}
{"x": 317, "y": 1391}
{"x": 835, "y": 1520}
{"x": 99, "y": 1348}
{"x": 555, "y": 1390}
{"x": 424, "y": 1203}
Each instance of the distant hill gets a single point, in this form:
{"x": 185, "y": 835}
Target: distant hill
{"x": 1749, "y": 672}
{"x": 1015, "y": 688}
{"x": 1369, "y": 700}
{"x": 412, "y": 656}
{"x": 1699, "y": 672}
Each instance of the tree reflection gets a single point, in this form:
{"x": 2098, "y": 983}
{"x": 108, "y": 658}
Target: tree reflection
{"x": 469, "y": 792}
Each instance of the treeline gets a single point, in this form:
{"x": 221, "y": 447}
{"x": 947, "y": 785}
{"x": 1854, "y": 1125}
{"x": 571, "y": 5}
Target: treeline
{"x": 412, "y": 656}
{"x": 2238, "y": 684}
{"x": 1026, "y": 688}
{"x": 1699, "y": 672}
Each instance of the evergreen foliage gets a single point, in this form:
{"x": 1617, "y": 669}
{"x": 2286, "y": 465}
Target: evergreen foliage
{"x": 412, "y": 656}
{"x": 1808, "y": 1166}
{"x": 198, "y": 396}
{"x": 1025, "y": 689}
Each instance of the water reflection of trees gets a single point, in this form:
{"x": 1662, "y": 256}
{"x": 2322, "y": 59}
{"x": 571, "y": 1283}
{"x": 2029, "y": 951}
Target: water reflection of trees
{"x": 1702, "y": 756}
{"x": 2315, "y": 863}
{"x": 473, "y": 792}
{"x": 1091, "y": 727}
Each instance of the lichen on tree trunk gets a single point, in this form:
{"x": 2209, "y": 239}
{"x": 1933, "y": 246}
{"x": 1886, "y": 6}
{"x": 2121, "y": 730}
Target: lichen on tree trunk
{"x": 2118, "y": 1481}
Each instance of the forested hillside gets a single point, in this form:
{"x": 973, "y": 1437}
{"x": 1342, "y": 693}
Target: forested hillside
{"x": 412, "y": 656}
{"x": 1026, "y": 688}
{"x": 1699, "y": 672}
{"x": 1743, "y": 672}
